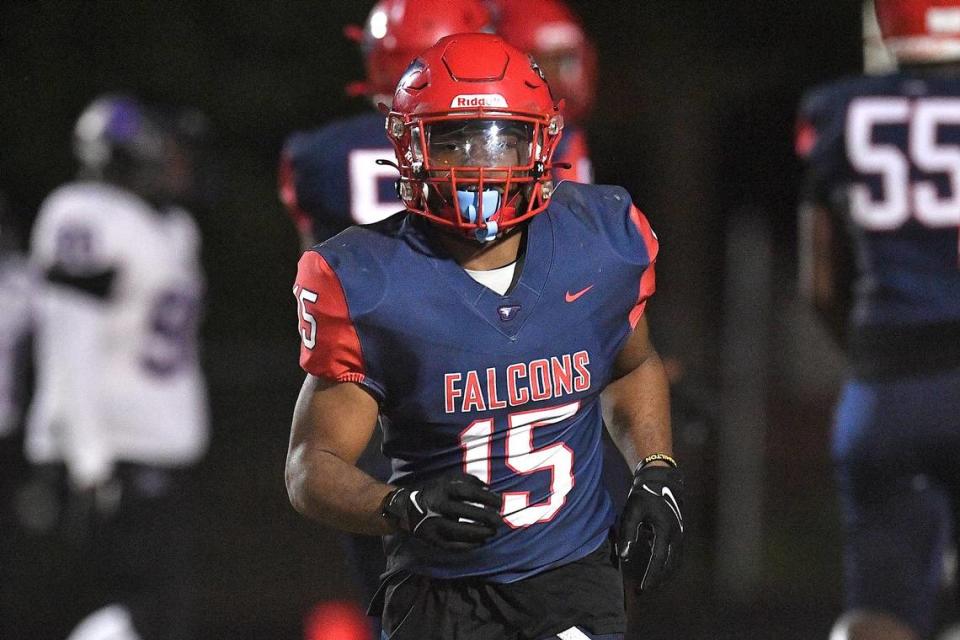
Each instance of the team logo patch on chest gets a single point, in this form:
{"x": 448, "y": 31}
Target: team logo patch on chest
{"x": 508, "y": 312}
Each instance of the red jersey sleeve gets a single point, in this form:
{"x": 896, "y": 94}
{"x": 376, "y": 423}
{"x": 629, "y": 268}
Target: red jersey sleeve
{"x": 287, "y": 190}
{"x": 647, "y": 283}
{"x": 329, "y": 344}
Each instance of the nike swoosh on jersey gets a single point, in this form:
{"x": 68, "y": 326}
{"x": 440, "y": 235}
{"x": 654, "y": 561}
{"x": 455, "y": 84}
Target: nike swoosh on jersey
{"x": 573, "y": 297}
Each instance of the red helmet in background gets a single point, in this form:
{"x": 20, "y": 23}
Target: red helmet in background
{"x": 337, "y": 620}
{"x": 397, "y": 30}
{"x": 554, "y": 36}
{"x": 920, "y": 30}
{"x": 474, "y": 127}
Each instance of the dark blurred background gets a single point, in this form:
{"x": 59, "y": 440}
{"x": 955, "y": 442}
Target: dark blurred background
{"x": 695, "y": 108}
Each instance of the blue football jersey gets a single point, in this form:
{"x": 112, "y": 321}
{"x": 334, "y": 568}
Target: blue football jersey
{"x": 883, "y": 155}
{"x": 502, "y": 387}
{"x": 330, "y": 179}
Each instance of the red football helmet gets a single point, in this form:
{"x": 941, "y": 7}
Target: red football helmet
{"x": 397, "y": 30}
{"x": 920, "y": 30}
{"x": 337, "y": 620}
{"x": 474, "y": 127}
{"x": 554, "y": 36}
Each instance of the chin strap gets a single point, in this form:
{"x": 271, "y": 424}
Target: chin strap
{"x": 470, "y": 202}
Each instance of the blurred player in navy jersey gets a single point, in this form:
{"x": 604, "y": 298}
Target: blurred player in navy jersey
{"x": 550, "y": 32}
{"x": 881, "y": 266}
{"x": 498, "y": 323}
{"x": 119, "y": 415}
{"x": 329, "y": 177}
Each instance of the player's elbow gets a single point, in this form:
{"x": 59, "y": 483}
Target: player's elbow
{"x": 296, "y": 479}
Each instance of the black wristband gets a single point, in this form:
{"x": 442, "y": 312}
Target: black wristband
{"x": 657, "y": 457}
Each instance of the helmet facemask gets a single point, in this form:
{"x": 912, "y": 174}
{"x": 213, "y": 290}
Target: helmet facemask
{"x": 479, "y": 173}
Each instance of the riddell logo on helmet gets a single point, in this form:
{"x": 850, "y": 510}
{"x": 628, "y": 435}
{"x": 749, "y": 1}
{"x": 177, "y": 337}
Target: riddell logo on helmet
{"x": 479, "y": 100}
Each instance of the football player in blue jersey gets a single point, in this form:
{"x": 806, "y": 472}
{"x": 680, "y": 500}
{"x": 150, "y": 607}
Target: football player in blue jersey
{"x": 498, "y": 323}
{"x": 881, "y": 266}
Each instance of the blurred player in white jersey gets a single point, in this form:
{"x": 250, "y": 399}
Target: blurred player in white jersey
{"x": 120, "y": 408}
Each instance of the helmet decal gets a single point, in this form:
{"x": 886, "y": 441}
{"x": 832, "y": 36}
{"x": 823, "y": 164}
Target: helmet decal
{"x": 478, "y": 100}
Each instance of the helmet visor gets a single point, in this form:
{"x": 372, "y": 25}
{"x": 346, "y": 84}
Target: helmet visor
{"x": 479, "y": 143}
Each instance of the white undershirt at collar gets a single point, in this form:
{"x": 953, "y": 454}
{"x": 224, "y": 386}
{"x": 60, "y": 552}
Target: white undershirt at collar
{"x": 498, "y": 279}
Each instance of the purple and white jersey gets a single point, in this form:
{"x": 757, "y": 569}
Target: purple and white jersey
{"x": 118, "y": 376}
{"x": 504, "y": 387}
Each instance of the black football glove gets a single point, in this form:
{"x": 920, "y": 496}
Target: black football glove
{"x": 455, "y": 512}
{"x": 651, "y": 527}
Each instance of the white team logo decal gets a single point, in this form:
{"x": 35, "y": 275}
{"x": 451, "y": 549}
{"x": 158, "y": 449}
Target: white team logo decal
{"x": 478, "y": 100}
{"x": 508, "y": 312}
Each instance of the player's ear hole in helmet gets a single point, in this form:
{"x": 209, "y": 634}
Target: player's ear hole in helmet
{"x": 474, "y": 128}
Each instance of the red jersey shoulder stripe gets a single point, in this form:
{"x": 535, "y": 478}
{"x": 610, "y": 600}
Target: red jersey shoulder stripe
{"x": 648, "y": 279}
{"x": 330, "y": 347}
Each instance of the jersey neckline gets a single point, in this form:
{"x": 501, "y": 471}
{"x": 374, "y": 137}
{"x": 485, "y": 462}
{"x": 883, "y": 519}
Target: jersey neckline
{"x": 520, "y": 299}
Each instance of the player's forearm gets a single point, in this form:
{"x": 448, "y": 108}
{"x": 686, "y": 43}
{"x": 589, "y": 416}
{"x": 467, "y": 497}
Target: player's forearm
{"x": 825, "y": 268}
{"x": 636, "y": 409}
{"x": 326, "y": 488}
